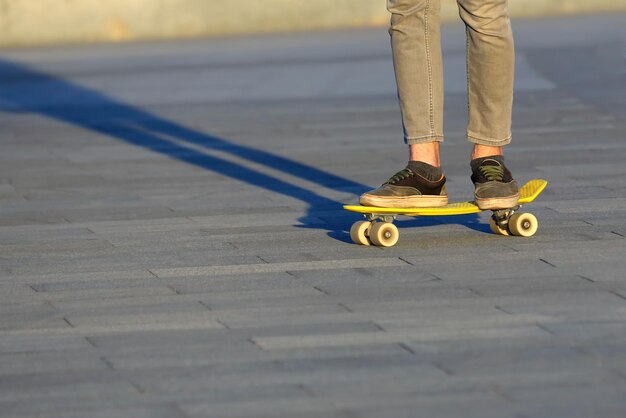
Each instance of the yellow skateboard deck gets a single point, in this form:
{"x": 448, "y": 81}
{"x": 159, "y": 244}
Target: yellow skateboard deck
{"x": 379, "y": 229}
{"x": 527, "y": 194}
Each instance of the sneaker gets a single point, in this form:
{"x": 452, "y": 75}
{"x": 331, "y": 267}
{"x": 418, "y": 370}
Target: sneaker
{"x": 494, "y": 185}
{"x": 408, "y": 188}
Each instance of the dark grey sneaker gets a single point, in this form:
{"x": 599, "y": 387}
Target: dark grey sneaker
{"x": 408, "y": 189}
{"x": 494, "y": 185}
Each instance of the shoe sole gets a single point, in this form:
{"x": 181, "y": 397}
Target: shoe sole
{"x": 404, "y": 202}
{"x": 497, "y": 202}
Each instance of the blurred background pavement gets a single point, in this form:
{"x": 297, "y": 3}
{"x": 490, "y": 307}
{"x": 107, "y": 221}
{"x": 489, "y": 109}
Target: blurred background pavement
{"x": 35, "y": 22}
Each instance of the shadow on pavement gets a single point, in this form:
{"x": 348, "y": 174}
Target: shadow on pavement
{"x": 28, "y": 90}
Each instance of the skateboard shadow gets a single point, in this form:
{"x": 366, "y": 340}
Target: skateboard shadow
{"x": 471, "y": 221}
{"x": 29, "y": 90}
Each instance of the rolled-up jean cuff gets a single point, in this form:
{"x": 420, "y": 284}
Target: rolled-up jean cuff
{"x": 412, "y": 140}
{"x": 490, "y": 142}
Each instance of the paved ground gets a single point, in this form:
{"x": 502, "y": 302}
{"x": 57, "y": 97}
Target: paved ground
{"x": 172, "y": 243}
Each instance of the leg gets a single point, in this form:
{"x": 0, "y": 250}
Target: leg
{"x": 427, "y": 152}
{"x": 490, "y": 71}
{"x": 480, "y": 151}
{"x": 415, "y": 44}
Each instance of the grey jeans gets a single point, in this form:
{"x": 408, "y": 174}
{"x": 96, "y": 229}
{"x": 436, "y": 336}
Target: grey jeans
{"x": 415, "y": 41}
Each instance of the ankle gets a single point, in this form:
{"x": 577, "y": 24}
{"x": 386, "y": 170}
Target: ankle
{"x": 480, "y": 151}
{"x": 427, "y": 153}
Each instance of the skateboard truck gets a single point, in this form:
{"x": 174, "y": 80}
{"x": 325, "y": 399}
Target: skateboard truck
{"x": 378, "y": 216}
{"x": 501, "y": 216}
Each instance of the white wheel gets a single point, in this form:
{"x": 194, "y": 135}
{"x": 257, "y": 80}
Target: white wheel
{"x": 523, "y": 224}
{"x": 384, "y": 234}
{"x": 497, "y": 229}
{"x": 358, "y": 232}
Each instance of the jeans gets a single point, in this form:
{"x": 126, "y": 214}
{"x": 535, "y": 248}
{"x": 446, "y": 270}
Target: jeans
{"x": 415, "y": 42}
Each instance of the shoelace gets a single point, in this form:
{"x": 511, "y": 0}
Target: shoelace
{"x": 492, "y": 172}
{"x": 400, "y": 175}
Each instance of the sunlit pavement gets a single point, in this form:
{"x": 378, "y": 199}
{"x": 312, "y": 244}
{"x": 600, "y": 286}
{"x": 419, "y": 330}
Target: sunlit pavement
{"x": 172, "y": 242}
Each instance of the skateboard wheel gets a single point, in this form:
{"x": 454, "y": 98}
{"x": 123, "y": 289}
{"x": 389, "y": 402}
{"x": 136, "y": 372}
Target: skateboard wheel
{"x": 523, "y": 224}
{"x": 497, "y": 229}
{"x": 384, "y": 234}
{"x": 358, "y": 232}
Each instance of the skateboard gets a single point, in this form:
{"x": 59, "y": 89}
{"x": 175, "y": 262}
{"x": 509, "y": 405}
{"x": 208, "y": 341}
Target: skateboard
{"x": 378, "y": 228}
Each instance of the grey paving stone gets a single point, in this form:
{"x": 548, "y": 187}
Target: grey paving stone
{"x": 244, "y": 375}
{"x": 17, "y": 251}
{"x": 93, "y": 275}
{"x": 243, "y": 282}
{"x": 43, "y": 410}
{"x": 529, "y": 285}
{"x": 171, "y": 306}
{"x": 491, "y": 323}
{"x": 522, "y": 364}
{"x": 58, "y": 289}
{"x": 135, "y": 210}
{"x": 130, "y": 341}
{"x": 131, "y": 303}
{"x": 300, "y": 296}
{"x": 26, "y": 234}
{"x": 276, "y": 267}
{"x": 485, "y": 269}
{"x": 15, "y": 293}
{"x": 69, "y": 265}
{"x": 32, "y": 342}
{"x": 93, "y": 324}
{"x": 301, "y": 406}
{"x": 15, "y": 316}
{"x": 575, "y": 400}
{"x": 38, "y": 362}
{"x": 324, "y": 311}
{"x": 312, "y": 328}
{"x": 178, "y": 261}
{"x": 347, "y": 351}
{"x": 390, "y": 389}
{"x": 86, "y": 385}
{"x": 588, "y": 332}
{"x": 179, "y": 357}
{"x": 363, "y": 292}
{"x": 612, "y": 307}
{"x": 213, "y": 392}
{"x": 469, "y": 404}
{"x": 153, "y": 354}
{"x": 398, "y": 336}
{"x": 68, "y": 299}
{"x": 219, "y": 221}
